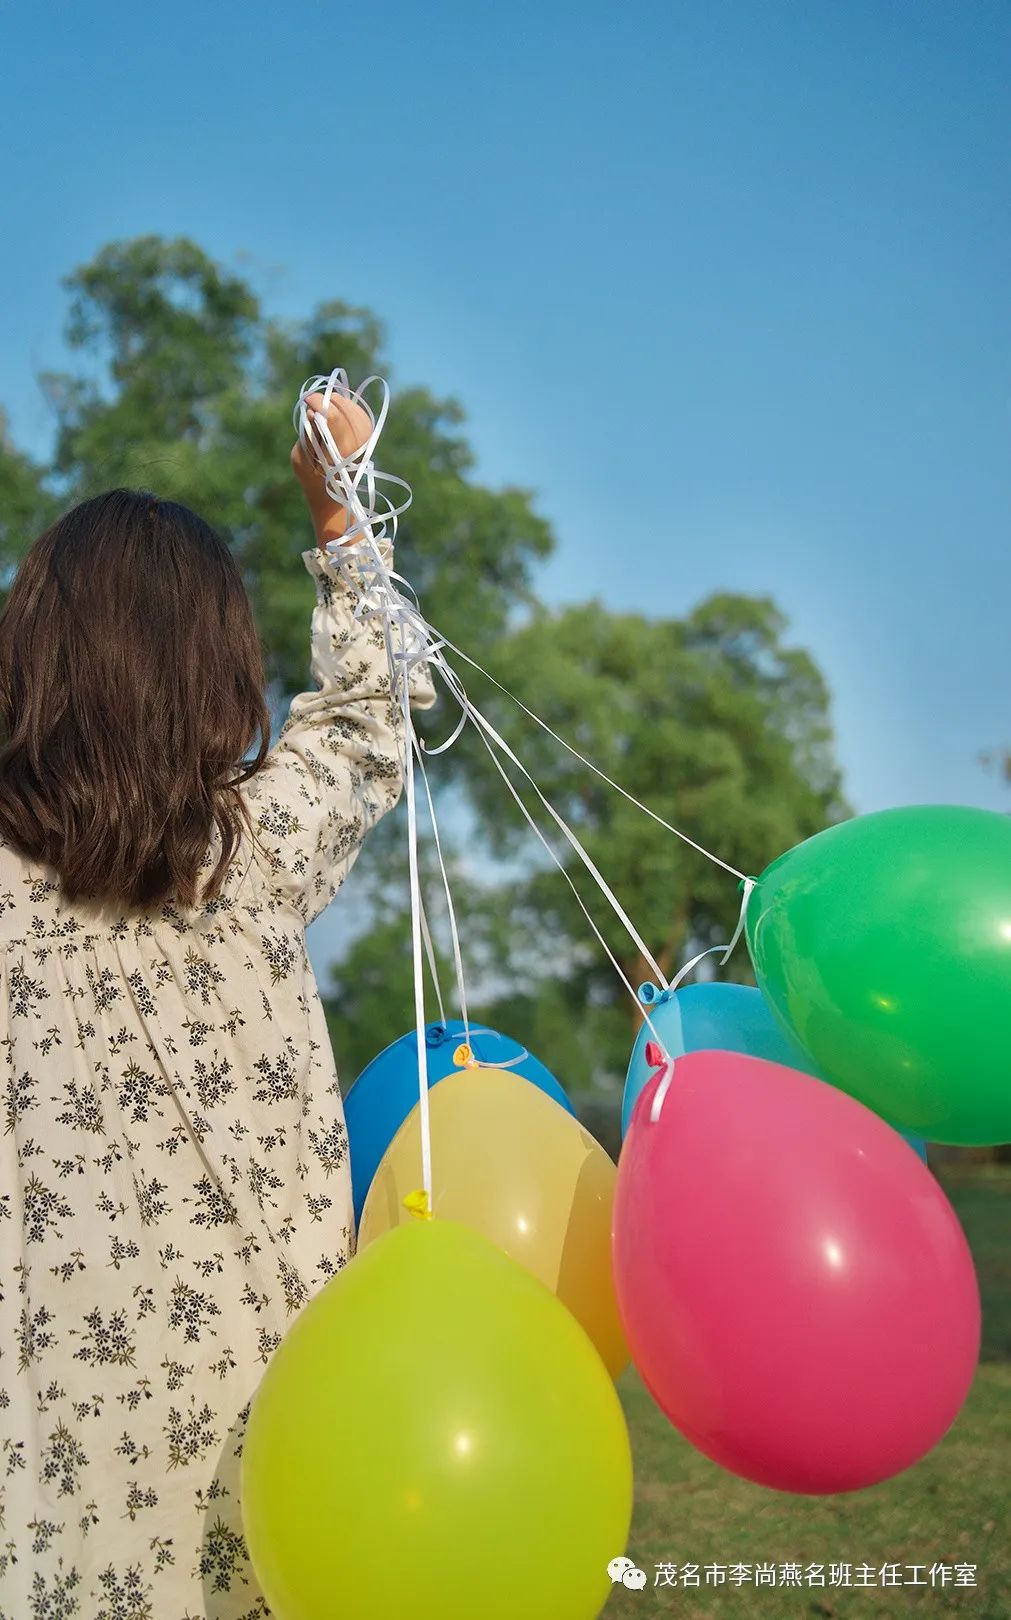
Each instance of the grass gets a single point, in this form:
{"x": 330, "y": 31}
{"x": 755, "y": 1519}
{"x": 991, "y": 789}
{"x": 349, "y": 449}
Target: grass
{"x": 951, "y": 1508}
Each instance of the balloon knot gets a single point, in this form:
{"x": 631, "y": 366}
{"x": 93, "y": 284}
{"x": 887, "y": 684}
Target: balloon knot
{"x": 418, "y": 1205}
{"x": 656, "y": 1057}
{"x": 464, "y": 1057}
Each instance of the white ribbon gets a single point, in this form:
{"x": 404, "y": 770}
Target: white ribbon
{"x": 660, "y": 1094}
{"x": 372, "y": 524}
{"x": 372, "y": 521}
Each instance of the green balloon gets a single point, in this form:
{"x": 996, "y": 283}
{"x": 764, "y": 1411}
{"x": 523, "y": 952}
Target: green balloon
{"x": 435, "y": 1438}
{"x": 884, "y": 945}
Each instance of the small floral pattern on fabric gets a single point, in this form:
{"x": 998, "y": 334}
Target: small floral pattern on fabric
{"x": 174, "y": 1178}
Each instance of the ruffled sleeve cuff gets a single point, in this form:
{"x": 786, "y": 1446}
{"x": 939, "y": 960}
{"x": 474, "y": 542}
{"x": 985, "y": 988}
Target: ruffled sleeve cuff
{"x": 331, "y": 577}
{"x": 337, "y": 590}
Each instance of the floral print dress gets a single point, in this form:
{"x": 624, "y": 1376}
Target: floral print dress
{"x": 174, "y": 1178}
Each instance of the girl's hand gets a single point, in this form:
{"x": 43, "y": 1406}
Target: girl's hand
{"x": 350, "y": 427}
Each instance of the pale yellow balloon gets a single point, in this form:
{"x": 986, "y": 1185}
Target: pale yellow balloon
{"x": 511, "y": 1163}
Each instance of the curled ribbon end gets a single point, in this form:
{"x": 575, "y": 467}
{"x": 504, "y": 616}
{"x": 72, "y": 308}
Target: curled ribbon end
{"x": 416, "y": 1203}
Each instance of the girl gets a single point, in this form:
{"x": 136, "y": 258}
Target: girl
{"x": 174, "y": 1178}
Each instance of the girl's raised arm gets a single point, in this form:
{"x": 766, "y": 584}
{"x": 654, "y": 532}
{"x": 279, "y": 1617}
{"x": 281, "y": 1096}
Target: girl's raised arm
{"x": 336, "y": 767}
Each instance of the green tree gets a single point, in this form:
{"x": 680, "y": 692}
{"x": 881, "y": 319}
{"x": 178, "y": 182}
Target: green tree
{"x": 714, "y": 722}
{"x": 25, "y": 505}
{"x": 185, "y": 385}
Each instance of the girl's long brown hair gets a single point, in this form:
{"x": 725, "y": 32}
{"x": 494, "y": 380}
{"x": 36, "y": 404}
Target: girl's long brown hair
{"x": 131, "y": 688}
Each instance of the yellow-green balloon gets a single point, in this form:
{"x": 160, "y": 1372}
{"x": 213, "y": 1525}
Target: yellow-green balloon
{"x": 434, "y": 1439}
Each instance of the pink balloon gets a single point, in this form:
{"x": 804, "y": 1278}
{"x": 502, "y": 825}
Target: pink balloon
{"x": 795, "y": 1288}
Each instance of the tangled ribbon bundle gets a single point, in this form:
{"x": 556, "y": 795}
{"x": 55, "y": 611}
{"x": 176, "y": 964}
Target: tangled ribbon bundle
{"x": 362, "y": 557}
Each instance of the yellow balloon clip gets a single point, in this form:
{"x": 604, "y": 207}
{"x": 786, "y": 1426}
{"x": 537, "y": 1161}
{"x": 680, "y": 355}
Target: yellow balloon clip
{"x": 417, "y": 1203}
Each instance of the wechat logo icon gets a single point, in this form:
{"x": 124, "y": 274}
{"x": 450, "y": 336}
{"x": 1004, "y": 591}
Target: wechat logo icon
{"x": 623, "y": 1571}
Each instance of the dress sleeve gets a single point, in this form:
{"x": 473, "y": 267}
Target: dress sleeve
{"x": 336, "y": 768}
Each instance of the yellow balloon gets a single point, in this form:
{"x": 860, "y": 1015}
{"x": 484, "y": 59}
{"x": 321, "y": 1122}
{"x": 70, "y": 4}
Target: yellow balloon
{"x": 510, "y": 1162}
{"x": 435, "y": 1438}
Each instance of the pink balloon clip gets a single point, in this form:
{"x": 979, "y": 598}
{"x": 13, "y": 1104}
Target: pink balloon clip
{"x": 661, "y": 1064}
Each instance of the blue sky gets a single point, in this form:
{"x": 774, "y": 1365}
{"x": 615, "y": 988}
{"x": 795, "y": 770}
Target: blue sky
{"x": 725, "y": 283}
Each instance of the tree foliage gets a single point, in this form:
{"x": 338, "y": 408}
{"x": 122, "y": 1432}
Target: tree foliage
{"x": 714, "y": 722}
{"x": 185, "y": 386}
{"x": 25, "y": 505}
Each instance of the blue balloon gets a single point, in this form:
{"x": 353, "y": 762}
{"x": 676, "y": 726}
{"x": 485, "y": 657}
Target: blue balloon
{"x": 708, "y": 1018}
{"x": 715, "y": 1017}
{"x": 387, "y": 1089}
